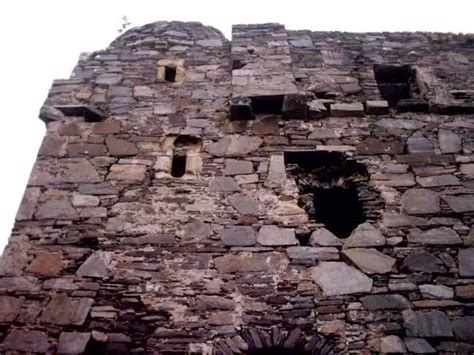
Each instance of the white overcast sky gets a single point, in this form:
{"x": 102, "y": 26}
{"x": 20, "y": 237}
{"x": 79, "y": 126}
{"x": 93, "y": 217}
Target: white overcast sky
{"x": 41, "y": 40}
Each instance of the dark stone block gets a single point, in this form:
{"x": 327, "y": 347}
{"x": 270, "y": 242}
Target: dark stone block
{"x": 241, "y": 108}
{"x": 90, "y": 113}
{"x": 294, "y": 106}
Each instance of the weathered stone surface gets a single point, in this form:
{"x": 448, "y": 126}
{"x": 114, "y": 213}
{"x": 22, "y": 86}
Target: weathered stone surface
{"x": 466, "y": 262}
{"x": 99, "y": 264}
{"x": 164, "y": 109}
{"x": 81, "y": 172}
{"x": 316, "y": 109}
{"x": 276, "y": 172}
{"x": 464, "y": 328}
{"x": 235, "y": 146}
{"x": 197, "y": 230}
{"x": 245, "y": 205}
{"x": 380, "y": 302}
{"x": 294, "y": 106}
{"x": 238, "y": 236}
{"x": 73, "y": 342}
{"x": 370, "y": 261}
{"x": 365, "y": 235}
{"x": 238, "y": 167}
{"x": 223, "y": 184}
{"x": 432, "y": 323}
{"x": 467, "y": 169}
{"x": 465, "y": 292}
{"x": 347, "y": 110}
{"x": 250, "y": 262}
{"x": 419, "y": 346}
{"x": 19, "y": 283}
{"x": 28, "y": 204}
{"x": 437, "y": 236}
{"x": 46, "y": 264}
{"x": 56, "y": 209}
{"x": 9, "y": 308}
{"x": 390, "y": 123}
{"x": 107, "y": 127}
{"x": 27, "y": 340}
{"x": 439, "y": 180}
{"x": 274, "y": 236}
{"x": 396, "y": 220}
{"x": 206, "y": 303}
{"x": 120, "y": 147}
{"x": 449, "y": 142}
{"x": 392, "y": 344}
{"x": 309, "y": 255}
{"x": 436, "y": 291}
{"x": 424, "y": 262}
{"x": 337, "y": 278}
{"x": 393, "y": 180}
{"x": 85, "y": 150}
{"x": 376, "y": 107}
{"x": 127, "y": 172}
{"x": 418, "y": 143}
{"x": 373, "y": 145}
{"x": 323, "y": 237}
{"x": 85, "y": 200}
{"x": 324, "y": 133}
{"x": 63, "y": 310}
{"x": 420, "y": 201}
{"x": 461, "y": 203}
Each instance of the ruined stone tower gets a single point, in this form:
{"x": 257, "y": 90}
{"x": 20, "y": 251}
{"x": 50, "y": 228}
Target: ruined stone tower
{"x": 286, "y": 192}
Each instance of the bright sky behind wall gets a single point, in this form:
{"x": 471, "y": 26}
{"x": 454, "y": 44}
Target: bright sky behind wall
{"x": 41, "y": 41}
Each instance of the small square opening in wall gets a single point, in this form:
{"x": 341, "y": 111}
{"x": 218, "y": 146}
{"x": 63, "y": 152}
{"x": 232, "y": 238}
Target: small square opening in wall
{"x": 395, "y": 82}
{"x": 267, "y": 104}
{"x": 170, "y": 74}
{"x": 178, "y": 165}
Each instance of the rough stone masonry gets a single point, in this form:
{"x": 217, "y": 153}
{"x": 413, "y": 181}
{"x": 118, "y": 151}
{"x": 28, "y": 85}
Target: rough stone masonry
{"x": 286, "y": 192}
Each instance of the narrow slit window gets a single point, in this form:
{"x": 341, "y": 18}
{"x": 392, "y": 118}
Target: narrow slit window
{"x": 178, "y": 165}
{"x": 170, "y": 74}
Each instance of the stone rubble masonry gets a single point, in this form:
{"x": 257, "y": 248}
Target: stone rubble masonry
{"x": 112, "y": 252}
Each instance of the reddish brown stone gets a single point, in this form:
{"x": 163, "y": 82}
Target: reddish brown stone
{"x": 120, "y": 147}
{"x": 29, "y": 341}
{"x": 107, "y": 127}
{"x": 465, "y": 292}
{"x": 52, "y": 146}
{"x": 372, "y": 146}
{"x": 63, "y": 310}
{"x": 9, "y": 308}
{"x": 85, "y": 149}
{"x": 46, "y": 264}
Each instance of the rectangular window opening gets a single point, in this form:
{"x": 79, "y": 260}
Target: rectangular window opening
{"x": 267, "y": 104}
{"x": 395, "y": 82}
{"x": 170, "y": 74}
{"x": 178, "y": 165}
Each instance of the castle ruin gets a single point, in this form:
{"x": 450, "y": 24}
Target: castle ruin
{"x": 285, "y": 192}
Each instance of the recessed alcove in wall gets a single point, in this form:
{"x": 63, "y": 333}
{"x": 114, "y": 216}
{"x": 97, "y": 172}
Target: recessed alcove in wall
{"x": 332, "y": 189}
{"x": 178, "y": 165}
{"x": 170, "y": 74}
{"x": 394, "y": 82}
{"x": 267, "y": 104}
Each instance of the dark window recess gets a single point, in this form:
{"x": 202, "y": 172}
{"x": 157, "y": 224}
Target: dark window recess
{"x": 333, "y": 190}
{"x": 395, "y": 82}
{"x": 267, "y": 104}
{"x": 170, "y": 74}
{"x": 178, "y": 165}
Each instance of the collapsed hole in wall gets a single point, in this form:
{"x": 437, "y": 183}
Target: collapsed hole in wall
{"x": 329, "y": 187}
{"x": 170, "y": 74}
{"x": 339, "y": 208}
{"x": 267, "y": 104}
{"x": 395, "y": 82}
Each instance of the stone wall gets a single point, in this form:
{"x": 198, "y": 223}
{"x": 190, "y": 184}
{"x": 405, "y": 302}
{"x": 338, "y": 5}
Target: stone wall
{"x": 121, "y": 247}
